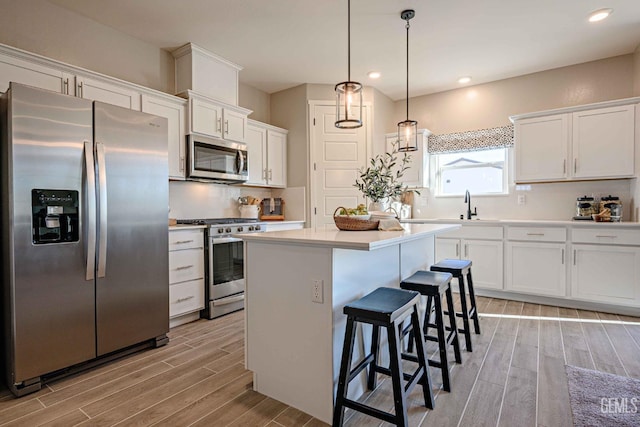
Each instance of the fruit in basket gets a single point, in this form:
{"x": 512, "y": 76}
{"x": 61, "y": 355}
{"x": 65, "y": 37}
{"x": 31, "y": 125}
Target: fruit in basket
{"x": 359, "y": 210}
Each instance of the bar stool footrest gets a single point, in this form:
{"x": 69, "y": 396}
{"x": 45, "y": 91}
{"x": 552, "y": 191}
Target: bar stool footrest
{"x": 368, "y": 410}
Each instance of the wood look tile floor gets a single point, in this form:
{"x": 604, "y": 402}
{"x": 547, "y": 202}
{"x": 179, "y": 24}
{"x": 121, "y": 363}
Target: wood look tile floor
{"x": 514, "y": 377}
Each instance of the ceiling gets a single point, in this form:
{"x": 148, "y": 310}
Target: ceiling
{"x": 283, "y": 43}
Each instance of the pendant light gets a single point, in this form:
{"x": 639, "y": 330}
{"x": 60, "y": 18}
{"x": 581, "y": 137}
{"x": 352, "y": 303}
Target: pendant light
{"x": 348, "y": 94}
{"x": 408, "y": 129}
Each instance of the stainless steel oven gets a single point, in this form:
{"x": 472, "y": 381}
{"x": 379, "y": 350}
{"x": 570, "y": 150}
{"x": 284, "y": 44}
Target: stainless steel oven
{"x": 224, "y": 292}
{"x": 216, "y": 160}
{"x": 225, "y": 279}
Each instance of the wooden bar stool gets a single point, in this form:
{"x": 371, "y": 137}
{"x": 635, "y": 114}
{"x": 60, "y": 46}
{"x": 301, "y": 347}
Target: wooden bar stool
{"x": 387, "y": 308}
{"x": 434, "y": 286}
{"x": 461, "y": 268}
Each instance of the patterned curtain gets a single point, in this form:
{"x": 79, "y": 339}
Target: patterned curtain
{"x": 475, "y": 140}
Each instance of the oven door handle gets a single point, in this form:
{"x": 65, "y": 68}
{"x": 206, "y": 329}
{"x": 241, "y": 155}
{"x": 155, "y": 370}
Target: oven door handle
{"x": 220, "y": 240}
{"x": 228, "y": 300}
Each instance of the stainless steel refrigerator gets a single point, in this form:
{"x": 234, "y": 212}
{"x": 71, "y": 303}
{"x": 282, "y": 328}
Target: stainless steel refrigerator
{"x": 84, "y": 233}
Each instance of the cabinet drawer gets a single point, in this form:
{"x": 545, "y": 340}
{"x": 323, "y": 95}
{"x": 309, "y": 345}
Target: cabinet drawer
{"x": 186, "y": 297}
{"x": 541, "y": 234}
{"x": 474, "y": 232}
{"x": 186, "y": 239}
{"x": 186, "y": 265}
{"x": 606, "y": 235}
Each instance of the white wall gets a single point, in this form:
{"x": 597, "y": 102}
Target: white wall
{"x": 490, "y": 105}
{"x": 41, "y": 27}
{"x": 255, "y": 100}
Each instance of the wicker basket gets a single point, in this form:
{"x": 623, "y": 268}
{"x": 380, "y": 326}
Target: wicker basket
{"x": 353, "y": 224}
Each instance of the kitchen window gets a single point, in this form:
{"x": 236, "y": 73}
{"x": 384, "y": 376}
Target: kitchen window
{"x": 480, "y": 172}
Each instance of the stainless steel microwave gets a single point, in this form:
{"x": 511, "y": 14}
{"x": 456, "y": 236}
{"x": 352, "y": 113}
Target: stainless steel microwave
{"x": 216, "y": 159}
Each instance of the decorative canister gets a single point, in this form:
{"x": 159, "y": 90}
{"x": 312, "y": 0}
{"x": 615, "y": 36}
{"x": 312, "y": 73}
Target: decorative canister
{"x": 249, "y": 211}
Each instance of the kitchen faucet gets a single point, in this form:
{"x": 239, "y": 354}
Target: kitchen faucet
{"x": 467, "y": 200}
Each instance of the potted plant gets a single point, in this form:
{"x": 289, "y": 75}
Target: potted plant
{"x": 379, "y": 182}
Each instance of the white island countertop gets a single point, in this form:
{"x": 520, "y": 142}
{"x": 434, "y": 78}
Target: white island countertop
{"x": 359, "y": 240}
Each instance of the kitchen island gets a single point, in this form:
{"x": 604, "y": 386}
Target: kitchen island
{"x": 297, "y": 283}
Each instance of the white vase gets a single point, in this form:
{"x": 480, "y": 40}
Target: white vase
{"x": 379, "y": 206}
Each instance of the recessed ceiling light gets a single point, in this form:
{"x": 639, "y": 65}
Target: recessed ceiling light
{"x": 599, "y": 15}
{"x": 374, "y": 74}
{"x": 463, "y": 80}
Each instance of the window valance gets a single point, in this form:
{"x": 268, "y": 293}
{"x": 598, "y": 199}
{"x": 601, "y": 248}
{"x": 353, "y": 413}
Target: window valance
{"x": 475, "y": 140}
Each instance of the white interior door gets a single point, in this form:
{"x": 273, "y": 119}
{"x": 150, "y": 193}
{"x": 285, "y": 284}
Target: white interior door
{"x": 336, "y": 157}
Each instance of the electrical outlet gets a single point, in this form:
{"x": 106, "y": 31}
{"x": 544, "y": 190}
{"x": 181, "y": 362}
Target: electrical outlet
{"x": 522, "y": 199}
{"x": 317, "y": 293}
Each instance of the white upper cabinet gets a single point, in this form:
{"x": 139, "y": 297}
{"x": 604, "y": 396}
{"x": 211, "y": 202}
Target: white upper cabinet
{"x": 417, "y": 176}
{"x": 541, "y": 148}
{"x": 267, "y": 153}
{"x": 107, "y": 92}
{"x": 276, "y": 158}
{"x": 588, "y": 142}
{"x": 257, "y": 154}
{"x": 206, "y": 118}
{"x": 234, "y": 125}
{"x": 173, "y": 109}
{"x": 212, "y": 118}
{"x": 17, "y": 70}
{"x": 603, "y": 142}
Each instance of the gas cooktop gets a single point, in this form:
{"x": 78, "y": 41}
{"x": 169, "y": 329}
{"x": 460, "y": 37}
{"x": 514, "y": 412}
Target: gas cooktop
{"x": 215, "y": 221}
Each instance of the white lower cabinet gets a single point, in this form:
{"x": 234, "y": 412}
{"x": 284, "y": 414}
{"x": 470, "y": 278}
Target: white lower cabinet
{"x": 605, "y": 265}
{"x": 535, "y": 260}
{"x": 536, "y": 268}
{"x": 606, "y": 274}
{"x": 486, "y": 255}
{"x": 186, "y": 274}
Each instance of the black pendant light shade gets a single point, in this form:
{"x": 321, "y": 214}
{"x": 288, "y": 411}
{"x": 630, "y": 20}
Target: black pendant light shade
{"x": 408, "y": 129}
{"x": 348, "y": 94}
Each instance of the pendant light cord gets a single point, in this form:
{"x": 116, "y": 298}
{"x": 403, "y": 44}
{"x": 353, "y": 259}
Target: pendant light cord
{"x": 407, "y": 26}
{"x": 349, "y": 40}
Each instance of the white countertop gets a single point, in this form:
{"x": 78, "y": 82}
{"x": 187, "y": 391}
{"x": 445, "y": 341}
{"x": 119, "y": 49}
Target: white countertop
{"x": 361, "y": 240}
{"x": 521, "y": 222}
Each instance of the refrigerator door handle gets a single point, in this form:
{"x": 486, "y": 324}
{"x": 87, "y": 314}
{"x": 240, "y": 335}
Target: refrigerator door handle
{"x": 102, "y": 210}
{"x": 90, "y": 216}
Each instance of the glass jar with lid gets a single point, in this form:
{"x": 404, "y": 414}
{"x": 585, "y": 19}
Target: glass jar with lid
{"x": 585, "y": 206}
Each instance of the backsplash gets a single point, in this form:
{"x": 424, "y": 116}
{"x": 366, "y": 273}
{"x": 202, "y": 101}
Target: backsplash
{"x": 189, "y": 199}
{"x": 549, "y": 201}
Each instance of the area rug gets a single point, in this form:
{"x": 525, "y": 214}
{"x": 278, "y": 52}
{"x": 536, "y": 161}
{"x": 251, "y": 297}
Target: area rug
{"x": 601, "y": 399}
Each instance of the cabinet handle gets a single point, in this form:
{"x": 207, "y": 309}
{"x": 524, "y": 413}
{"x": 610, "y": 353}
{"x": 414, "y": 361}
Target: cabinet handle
{"x": 575, "y": 165}
{"x": 606, "y": 235}
{"x": 80, "y": 90}
{"x": 562, "y": 256}
{"x": 574, "y": 257}
{"x": 457, "y": 250}
{"x": 564, "y": 166}
{"x": 182, "y": 242}
{"x": 219, "y": 127}
{"x": 184, "y": 267}
{"x": 185, "y": 299}
{"x": 226, "y": 127}
{"x": 466, "y": 250}
{"x": 535, "y": 234}
{"x": 65, "y": 86}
